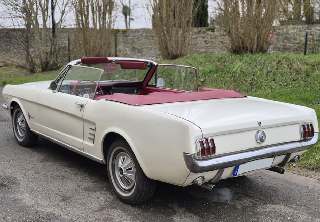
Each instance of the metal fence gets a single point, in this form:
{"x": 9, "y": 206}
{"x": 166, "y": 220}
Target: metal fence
{"x": 312, "y": 43}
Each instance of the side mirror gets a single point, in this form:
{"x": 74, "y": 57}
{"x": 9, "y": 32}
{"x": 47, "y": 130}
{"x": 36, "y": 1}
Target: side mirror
{"x": 161, "y": 82}
{"x": 53, "y": 86}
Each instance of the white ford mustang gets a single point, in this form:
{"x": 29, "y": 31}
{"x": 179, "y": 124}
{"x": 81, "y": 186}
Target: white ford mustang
{"x": 117, "y": 111}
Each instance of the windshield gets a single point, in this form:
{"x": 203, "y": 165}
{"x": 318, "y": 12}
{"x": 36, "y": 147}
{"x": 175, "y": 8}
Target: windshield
{"x": 123, "y": 72}
{"x": 76, "y": 73}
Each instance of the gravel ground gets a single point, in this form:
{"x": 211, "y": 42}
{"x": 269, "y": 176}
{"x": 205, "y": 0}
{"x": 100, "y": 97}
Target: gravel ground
{"x": 50, "y": 183}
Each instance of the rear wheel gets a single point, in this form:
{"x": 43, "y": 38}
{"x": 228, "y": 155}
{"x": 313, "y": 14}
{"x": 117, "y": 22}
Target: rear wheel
{"x": 21, "y": 129}
{"x": 129, "y": 182}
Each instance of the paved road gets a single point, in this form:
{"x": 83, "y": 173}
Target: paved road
{"x": 50, "y": 183}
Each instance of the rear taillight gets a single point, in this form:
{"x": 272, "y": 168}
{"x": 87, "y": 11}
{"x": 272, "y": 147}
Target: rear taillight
{"x": 205, "y": 147}
{"x": 306, "y": 131}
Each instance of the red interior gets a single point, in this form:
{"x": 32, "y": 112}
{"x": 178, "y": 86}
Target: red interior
{"x": 137, "y": 93}
{"x": 153, "y": 95}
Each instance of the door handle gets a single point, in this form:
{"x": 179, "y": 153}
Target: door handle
{"x": 81, "y": 105}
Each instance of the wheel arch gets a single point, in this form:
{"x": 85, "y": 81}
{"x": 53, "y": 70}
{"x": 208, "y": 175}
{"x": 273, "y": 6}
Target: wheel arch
{"x": 113, "y": 135}
{"x": 15, "y": 102}
{"x": 108, "y": 139}
{"x": 12, "y": 105}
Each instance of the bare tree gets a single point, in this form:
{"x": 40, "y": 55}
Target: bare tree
{"x": 126, "y": 11}
{"x": 297, "y": 9}
{"x": 248, "y": 23}
{"x": 308, "y": 11}
{"x": 21, "y": 17}
{"x": 127, "y": 8}
{"x": 285, "y": 13}
{"x": 46, "y": 43}
{"x": 33, "y": 17}
{"x": 172, "y": 21}
{"x": 93, "y": 35}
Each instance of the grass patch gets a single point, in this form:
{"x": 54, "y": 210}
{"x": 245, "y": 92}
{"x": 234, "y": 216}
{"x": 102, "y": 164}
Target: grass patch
{"x": 13, "y": 74}
{"x": 286, "y": 78}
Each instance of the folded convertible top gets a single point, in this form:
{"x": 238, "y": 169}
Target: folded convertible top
{"x": 169, "y": 97}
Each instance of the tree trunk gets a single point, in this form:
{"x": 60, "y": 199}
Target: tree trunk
{"x": 297, "y": 10}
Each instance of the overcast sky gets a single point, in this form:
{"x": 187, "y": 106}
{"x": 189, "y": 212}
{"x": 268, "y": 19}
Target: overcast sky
{"x": 140, "y": 13}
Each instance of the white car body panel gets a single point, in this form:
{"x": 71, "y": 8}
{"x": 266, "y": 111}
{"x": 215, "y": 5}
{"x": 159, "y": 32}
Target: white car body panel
{"x": 61, "y": 118}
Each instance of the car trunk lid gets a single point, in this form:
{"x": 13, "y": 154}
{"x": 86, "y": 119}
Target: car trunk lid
{"x": 233, "y": 123}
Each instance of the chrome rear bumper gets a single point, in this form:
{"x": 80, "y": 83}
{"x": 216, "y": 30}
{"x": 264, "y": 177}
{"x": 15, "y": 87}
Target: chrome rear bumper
{"x": 221, "y": 162}
{"x": 5, "y": 106}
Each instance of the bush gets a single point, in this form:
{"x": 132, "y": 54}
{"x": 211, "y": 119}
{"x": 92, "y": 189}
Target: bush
{"x": 248, "y": 23}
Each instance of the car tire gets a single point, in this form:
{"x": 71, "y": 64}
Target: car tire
{"x": 128, "y": 180}
{"x": 24, "y": 136}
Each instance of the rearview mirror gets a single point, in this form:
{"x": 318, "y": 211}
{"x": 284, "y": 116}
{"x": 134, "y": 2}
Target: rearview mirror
{"x": 161, "y": 82}
{"x": 53, "y": 86}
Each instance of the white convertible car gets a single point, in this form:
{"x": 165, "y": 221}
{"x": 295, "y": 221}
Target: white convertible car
{"x": 122, "y": 113}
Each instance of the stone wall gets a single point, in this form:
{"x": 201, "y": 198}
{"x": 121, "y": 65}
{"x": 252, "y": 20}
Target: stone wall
{"x": 291, "y": 39}
{"x": 138, "y": 43}
{"x": 142, "y": 43}
{"x": 10, "y": 48}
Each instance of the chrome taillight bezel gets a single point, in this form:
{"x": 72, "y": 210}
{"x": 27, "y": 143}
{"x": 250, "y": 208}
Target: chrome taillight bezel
{"x": 306, "y": 131}
{"x": 205, "y": 147}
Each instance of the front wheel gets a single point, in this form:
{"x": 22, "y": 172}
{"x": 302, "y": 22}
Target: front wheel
{"x": 21, "y": 129}
{"x": 129, "y": 182}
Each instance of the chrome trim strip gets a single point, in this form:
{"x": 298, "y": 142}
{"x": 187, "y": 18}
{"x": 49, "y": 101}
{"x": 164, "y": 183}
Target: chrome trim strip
{"x": 131, "y": 59}
{"x": 199, "y": 166}
{"x": 5, "y": 106}
{"x": 78, "y": 61}
{"x": 173, "y": 65}
{"x": 69, "y": 147}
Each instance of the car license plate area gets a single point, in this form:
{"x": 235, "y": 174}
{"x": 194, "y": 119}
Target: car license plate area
{"x": 253, "y": 165}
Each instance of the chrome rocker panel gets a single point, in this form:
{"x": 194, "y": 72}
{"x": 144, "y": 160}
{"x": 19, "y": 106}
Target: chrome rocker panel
{"x": 69, "y": 147}
{"x": 199, "y": 166}
{"x": 5, "y": 106}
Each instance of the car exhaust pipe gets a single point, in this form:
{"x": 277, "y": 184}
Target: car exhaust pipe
{"x": 295, "y": 159}
{"x": 277, "y": 170}
{"x": 207, "y": 186}
{"x": 199, "y": 181}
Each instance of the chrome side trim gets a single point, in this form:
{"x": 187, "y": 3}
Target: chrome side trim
{"x": 69, "y": 147}
{"x": 173, "y": 65}
{"x": 5, "y": 106}
{"x": 199, "y": 166}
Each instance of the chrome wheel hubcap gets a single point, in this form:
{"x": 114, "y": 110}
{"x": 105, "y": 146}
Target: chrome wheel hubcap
{"x": 21, "y": 125}
{"x": 125, "y": 171}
